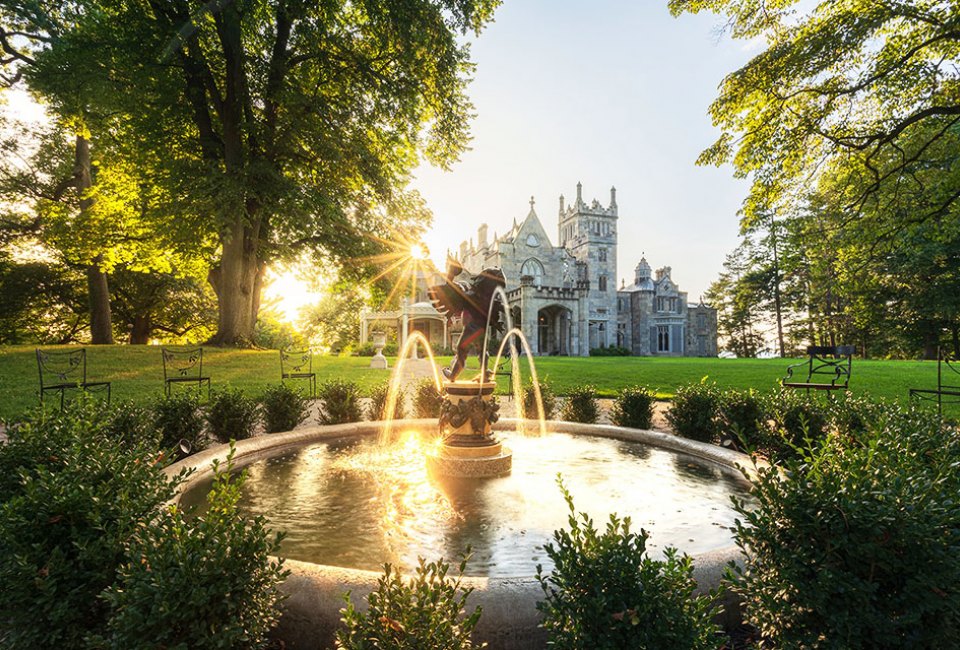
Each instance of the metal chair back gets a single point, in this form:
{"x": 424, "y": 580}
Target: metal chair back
{"x": 298, "y": 364}
{"x": 63, "y": 370}
{"x": 183, "y": 366}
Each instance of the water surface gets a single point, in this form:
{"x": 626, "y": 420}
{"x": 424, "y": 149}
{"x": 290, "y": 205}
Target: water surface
{"x": 353, "y": 504}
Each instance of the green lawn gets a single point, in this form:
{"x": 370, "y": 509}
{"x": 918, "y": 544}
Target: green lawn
{"x": 136, "y": 373}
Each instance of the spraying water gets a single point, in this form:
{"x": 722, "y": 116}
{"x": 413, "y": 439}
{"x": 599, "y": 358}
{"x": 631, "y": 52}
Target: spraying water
{"x": 510, "y": 338}
{"x": 415, "y": 338}
{"x": 513, "y": 335}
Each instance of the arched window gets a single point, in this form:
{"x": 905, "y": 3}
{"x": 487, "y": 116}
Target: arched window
{"x": 534, "y": 269}
{"x": 602, "y": 283}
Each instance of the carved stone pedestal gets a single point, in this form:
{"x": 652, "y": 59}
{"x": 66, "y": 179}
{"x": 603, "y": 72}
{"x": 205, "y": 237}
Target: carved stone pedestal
{"x": 469, "y": 448}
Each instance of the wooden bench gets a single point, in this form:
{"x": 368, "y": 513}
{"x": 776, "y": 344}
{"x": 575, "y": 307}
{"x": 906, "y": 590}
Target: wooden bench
{"x": 950, "y": 391}
{"x": 827, "y": 368}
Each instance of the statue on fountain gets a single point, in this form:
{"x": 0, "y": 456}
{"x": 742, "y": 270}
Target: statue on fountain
{"x": 469, "y": 409}
{"x": 472, "y": 297}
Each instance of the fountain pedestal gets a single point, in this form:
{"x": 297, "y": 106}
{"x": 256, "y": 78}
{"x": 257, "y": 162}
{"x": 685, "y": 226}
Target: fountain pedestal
{"x": 469, "y": 448}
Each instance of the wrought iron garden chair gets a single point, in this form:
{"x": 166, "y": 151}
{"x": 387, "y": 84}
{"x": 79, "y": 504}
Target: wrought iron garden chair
{"x": 827, "y": 368}
{"x": 943, "y": 389}
{"x": 298, "y": 364}
{"x": 61, "y": 371}
{"x": 183, "y": 367}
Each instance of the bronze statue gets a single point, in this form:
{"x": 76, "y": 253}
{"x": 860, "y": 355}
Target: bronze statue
{"x": 472, "y": 297}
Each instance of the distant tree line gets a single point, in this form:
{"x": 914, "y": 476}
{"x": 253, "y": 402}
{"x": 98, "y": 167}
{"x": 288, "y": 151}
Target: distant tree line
{"x": 848, "y": 127}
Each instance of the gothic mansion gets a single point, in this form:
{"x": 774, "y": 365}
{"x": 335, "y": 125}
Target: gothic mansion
{"x": 564, "y": 297}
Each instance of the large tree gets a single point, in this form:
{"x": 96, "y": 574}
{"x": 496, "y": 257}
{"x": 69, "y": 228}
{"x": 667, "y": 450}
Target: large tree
{"x": 871, "y": 85}
{"x": 277, "y": 125}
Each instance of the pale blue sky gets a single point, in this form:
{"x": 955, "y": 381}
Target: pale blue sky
{"x": 608, "y": 93}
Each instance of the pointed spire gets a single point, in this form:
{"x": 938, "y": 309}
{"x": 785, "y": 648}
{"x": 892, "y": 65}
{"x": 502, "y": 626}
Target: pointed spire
{"x": 561, "y": 204}
{"x": 613, "y": 197}
{"x": 579, "y": 193}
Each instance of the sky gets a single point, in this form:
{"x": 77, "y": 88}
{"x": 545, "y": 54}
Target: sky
{"x": 608, "y": 93}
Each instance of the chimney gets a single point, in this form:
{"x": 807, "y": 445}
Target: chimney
{"x": 482, "y": 236}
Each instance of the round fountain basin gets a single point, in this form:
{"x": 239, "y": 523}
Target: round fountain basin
{"x": 348, "y": 505}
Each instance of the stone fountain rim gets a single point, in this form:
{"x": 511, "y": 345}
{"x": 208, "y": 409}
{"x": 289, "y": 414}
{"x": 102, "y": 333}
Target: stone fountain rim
{"x": 260, "y": 447}
{"x": 511, "y": 620}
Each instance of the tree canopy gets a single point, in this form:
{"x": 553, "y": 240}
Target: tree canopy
{"x": 273, "y": 126}
{"x": 847, "y": 125}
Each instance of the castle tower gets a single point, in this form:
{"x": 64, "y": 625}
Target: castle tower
{"x": 589, "y": 232}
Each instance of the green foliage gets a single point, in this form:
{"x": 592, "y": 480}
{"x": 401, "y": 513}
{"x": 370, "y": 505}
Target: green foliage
{"x": 581, "y": 405}
{"x": 429, "y": 611}
{"x": 742, "y": 418}
{"x": 427, "y": 399}
{"x": 339, "y": 402}
{"x": 72, "y": 497}
{"x": 178, "y": 417}
{"x": 206, "y": 582}
{"x": 333, "y": 323}
{"x": 242, "y": 190}
{"x": 368, "y": 350}
{"x": 634, "y": 408}
{"x": 169, "y": 307}
{"x": 852, "y": 544}
{"x": 799, "y": 416}
{"x": 612, "y": 351}
{"x": 693, "y": 413}
{"x": 606, "y": 593}
{"x": 232, "y": 415}
{"x": 846, "y": 125}
{"x": 376, "y": 410}
{"x": 273, "y": 333}
{"x": 283, "y": 408}
{"x": 44, "y": 302}
{"x": 132, "y": 425}
{"x": 547, "y": 398}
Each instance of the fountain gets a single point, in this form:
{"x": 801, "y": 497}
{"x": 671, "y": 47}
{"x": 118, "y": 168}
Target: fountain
{"x": 351, "y": 497}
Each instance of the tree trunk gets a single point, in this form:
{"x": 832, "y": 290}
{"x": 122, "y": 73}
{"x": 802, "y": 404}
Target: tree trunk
{"x": 931, "y": 339}
{"x": 101, "y": 327}
{"x": 777, "y": 300}
{"x": 140, "y": 330}
{"x": 955, "y": 337}
{"x": 237, "y": 281}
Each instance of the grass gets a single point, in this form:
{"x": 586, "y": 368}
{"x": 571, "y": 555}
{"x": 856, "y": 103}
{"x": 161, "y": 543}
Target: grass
{"x": 137, "y": 373}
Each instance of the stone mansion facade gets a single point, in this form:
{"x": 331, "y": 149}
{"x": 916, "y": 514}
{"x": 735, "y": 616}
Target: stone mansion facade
{"x": 565, "y": 297}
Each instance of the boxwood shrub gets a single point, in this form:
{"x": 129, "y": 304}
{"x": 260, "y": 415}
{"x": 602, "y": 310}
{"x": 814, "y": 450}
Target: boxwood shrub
{"x": 339, "y": 402}
{"x": 547, "y": 398}
{"x": 201, "y": 583}
{"x": 742, "y": 419}
{"x": 426, "y": 399}
{"x": 179, "y": 418}
{"x": 232, "y": 415}
{"x": 581, "y": 405}
{"x": 606, "y": 592}
{"x": 376, "y": 409}
{"x": 693, "y": 413}
{"x": 428, "y": 611}
{"x": 854, "y": 543}
{"x": 283, "y": 408}
{"x": 634, "y": 408}
{"x": 72, "y": 497}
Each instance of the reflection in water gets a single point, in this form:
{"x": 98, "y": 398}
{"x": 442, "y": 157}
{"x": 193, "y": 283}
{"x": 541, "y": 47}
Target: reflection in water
{"x": 359, "y": 504}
